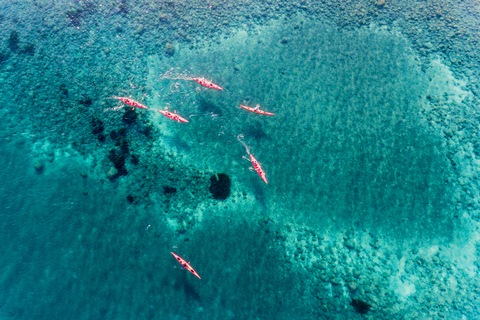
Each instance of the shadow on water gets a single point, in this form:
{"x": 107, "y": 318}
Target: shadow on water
{"x": 255, "y": 130}
{"x": 182, "y": 283}
{"x": 207, "y": 106}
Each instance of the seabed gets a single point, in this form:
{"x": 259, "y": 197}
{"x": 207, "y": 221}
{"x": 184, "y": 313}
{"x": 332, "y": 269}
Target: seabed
{"x": 371, "y": 210}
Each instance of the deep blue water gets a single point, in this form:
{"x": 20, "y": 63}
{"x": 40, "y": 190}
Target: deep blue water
{"x": 372, "y": 200}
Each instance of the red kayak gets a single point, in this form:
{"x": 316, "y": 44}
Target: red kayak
{"x": 258, "y": 168}
{"x": 255, "y": 163}
{"x": 172, "y": 116}
{"x": 131, "y": 102}
{"x": 257, "y": 110}
{"x": 186, "y": 265}
{"x": 206, "y": 83}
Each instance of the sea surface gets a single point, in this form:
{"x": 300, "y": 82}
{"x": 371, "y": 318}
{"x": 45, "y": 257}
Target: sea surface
{"x": 372, "y": 205}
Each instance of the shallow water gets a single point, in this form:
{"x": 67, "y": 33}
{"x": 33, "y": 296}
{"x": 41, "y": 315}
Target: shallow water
{"x": 372, "y": 200}
{"x": 347, "y": 140}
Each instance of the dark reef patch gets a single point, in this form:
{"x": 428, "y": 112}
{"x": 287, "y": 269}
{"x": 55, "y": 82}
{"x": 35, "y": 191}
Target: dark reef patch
{"x": 120, "y": 139}
{"x": 28, "y": 49}
{"x": 169, "y": 50}
{"x": 75, "y": 16}
{"x": 130, "y": 116}
{"x": 147, "y": 130}
{"x": 121, "y": 152}
{"x": 360, "y": 306}
{"x": 123, "y": 7}
{"x": 124, "y": 147}
{"x": 3, "y": 56}
{"x": 118, "y": 160}
{"x": 64, "y": 90}
{"x": 98, "y": 129}
{"x": 86, "y": 101}
{"x": 97, "y": 126}
{"x": 220, "y": 185}
{"x": 134, "y": 159}
{"x": 167, "y": 190}
{"x": 119, "y": 134}
{"x": 13, "y": 41}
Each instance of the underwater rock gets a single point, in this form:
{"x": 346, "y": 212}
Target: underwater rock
{"x": 83, "y": 173}
{"x": 360, "y": 306}
{"x": 169, "y": 50}
{"x": 352, "y": 285}
{"x": 181, "y": 228}
{"x": 112, "y": 173}
{"x": 380, "y": 3}
{"x": 284, "y": 40}
{"x": 162, "y": 16}
{"x": 350, "y": 244}
{"x": 139, "y": 30}
{"x": 220, "y": 185}
{"x": 39, "y": 166}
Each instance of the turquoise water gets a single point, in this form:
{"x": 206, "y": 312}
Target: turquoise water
{"x": 371, "y": 207}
